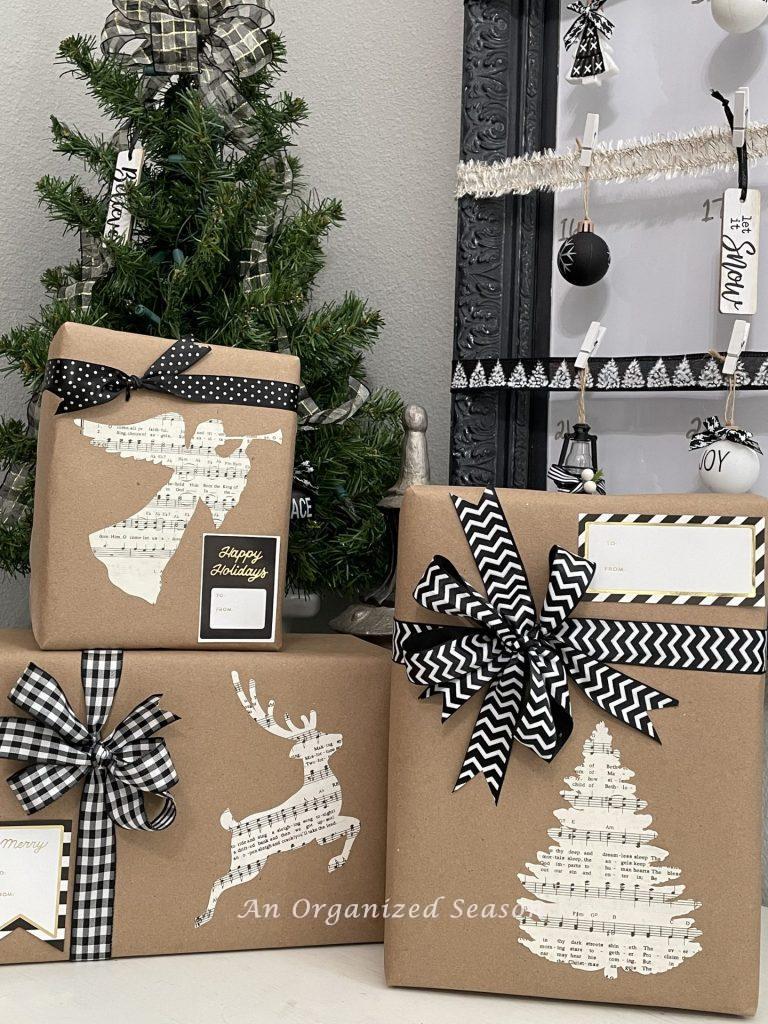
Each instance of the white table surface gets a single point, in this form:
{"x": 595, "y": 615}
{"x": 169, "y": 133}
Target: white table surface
{"x": 328, "y": 985}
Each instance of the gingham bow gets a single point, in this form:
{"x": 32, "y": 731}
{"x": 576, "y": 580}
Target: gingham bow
{"x": 715, "y": 431}
{"x": 116, "y": 772}
{"x": 524, "y": 660}
{"x": 217, "y": 41}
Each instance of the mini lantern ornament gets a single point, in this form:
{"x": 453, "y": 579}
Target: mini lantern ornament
{"x": 739, "y": 16}
{"x": 584, "y": 258}
{"x": 576, "y": 470}
{"x": 729, "y": 462}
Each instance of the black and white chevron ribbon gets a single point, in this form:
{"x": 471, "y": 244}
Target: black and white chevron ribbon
{"x": 525, "y": 661}
{"x": 116, "y": 773}
{"x": 82, "y": 385}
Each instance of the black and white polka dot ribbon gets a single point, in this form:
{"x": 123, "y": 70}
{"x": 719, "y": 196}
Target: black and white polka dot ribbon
{"x": 715, "y": 431}
{"x": 81, "y": 384}
{"x": 116, "y": 773}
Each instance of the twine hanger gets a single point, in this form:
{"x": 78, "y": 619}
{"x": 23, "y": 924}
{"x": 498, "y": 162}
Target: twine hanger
{"x": 730, "y": 398}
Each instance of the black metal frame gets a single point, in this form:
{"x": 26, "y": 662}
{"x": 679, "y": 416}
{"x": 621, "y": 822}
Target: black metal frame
{"x": 504, "y": 251}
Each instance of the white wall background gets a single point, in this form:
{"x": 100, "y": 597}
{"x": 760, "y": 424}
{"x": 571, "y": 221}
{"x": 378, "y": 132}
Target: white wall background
{"x": 383, "y": 85}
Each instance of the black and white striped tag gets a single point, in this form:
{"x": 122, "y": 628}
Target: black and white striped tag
{"x": 34, "y": 865}
{"x": 675, "y": 559}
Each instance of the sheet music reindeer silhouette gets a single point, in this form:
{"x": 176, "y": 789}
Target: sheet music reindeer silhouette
{"x": 136, "y": 550}
{"x": 312, "y": 814}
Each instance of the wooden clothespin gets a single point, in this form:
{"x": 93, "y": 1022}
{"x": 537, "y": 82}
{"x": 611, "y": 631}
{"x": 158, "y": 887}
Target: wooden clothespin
{"x": 590, "y": 345}
{"x": 591, "y": 128}
{"x": 736, "y": 346}
{"x": 740, "y": 116}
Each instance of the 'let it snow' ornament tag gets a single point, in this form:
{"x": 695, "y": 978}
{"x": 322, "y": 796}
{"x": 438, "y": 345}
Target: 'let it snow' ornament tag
{"x": 128, "y": 169}
{"x": 739, "y": 251}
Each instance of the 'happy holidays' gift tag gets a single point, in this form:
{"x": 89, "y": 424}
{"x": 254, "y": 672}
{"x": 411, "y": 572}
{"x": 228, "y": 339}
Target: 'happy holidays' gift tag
{"x": 739, "y": 252}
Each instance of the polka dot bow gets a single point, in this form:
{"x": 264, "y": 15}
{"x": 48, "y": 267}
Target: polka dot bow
{"x": 82, "y": 385}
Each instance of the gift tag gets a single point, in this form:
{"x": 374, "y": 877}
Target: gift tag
{"x": 739, "y": 251}
{"x": 34, "y": 873}
{"x": 127, "y": 170}
{"x": 238, "y": 595}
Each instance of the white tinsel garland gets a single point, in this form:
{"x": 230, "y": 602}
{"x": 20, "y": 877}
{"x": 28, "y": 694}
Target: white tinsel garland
{"x": 705, "y": 151}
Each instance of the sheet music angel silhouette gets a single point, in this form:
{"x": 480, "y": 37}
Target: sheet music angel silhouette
{"x": 136, "y": 550}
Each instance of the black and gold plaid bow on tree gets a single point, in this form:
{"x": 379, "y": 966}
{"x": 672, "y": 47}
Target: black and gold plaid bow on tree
{"x": 217, "y": 41}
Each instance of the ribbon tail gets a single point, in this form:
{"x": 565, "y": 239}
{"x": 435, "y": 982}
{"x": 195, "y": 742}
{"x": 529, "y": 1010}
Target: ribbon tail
{"x": 546, "y": 722}
{"x": 94, "y": 887}
{"x": 490, "y": 746}
{"x": 621, "y": 696}
{"x": 126, "y": 807}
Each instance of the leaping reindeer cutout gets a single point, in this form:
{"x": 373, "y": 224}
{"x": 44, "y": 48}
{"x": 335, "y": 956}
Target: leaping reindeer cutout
{"x": 136, "y": 550}
{"x": 311, "y": 815}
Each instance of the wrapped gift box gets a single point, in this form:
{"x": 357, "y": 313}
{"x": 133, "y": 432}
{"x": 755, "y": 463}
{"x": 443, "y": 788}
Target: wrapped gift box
{"x": 278, "y": 831}
{"x": 161, "y": 521}
{"x": 621, "y": 864}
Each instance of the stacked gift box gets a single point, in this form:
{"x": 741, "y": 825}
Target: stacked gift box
{"x": 181, "y": 779}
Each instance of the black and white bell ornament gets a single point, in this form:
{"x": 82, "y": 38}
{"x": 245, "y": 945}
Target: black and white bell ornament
{"x": 584, "y": 258}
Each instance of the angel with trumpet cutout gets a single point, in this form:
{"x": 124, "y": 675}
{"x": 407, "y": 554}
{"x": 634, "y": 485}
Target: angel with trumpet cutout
{"x": 136, "y": 550}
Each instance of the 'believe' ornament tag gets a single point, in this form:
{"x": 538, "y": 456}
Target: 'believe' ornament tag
{"x": 119, "y": 220}
{"x": 739, "y": 251}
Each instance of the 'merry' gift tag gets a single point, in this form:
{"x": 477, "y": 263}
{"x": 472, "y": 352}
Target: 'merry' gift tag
{"x": 739, "y": 251}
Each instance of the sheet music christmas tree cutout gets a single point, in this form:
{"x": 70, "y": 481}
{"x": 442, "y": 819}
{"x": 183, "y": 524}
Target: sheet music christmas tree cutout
{"x": 136, "y": 550}
{"x": 604, "y": 902}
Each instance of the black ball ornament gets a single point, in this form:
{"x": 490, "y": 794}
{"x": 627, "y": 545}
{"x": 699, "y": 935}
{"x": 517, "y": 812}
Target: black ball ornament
{"x": 584, "y": 258}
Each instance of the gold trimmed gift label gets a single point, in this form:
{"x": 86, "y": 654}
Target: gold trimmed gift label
{"x": 34, "y": 879}
{"x": 238, "y": 594}
{"x": 675, "y": 559}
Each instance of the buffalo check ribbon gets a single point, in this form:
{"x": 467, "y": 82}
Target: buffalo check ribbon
{"x": 523, "y": 661}
{"x": 116, "y": 773}
{"x": 81, "y": 385}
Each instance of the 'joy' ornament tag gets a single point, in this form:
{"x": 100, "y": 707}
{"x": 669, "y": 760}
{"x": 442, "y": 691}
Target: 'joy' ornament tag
{"x": 739, "y": 252}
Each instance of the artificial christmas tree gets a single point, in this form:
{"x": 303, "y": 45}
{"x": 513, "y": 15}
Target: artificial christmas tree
{"x": 603, "y": 902}
{"x": 225, "y": 247}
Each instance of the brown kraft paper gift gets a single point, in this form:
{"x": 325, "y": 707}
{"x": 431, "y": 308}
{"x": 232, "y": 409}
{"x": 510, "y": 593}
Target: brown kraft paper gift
{"x": 161, "y": 521}
{"x": 459, "y": 857}
{"x": 313, "y": 890}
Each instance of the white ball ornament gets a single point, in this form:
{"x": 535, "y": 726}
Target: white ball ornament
{"x": 589, "y": 487}
{"x": 587, "y": 474}
{"x": 739, "y": 16}
{"x": 729, "y": 468}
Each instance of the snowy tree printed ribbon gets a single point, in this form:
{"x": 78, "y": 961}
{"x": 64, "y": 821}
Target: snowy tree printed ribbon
{"x": 525, "y": 660}
{"x": 715, "y": 431}
{"x": 217, "y": 41}
{"x": 82, "y": 385}
{"x": 116, "y": 773}
{"x": 586, "y": 30}
{"x": 697, "y": 371}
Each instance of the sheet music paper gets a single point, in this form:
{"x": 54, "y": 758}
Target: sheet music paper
{"x": 604, "y": 903}
{"x": 136, "y": 550}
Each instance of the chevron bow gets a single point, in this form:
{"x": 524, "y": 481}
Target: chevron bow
{"x": 590, "y": 24}
{"x": 218, "y": 41}
{"x": 116, "y": 773}
{"x": 525, "y": 661}
{"x": 715, "y": 431}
